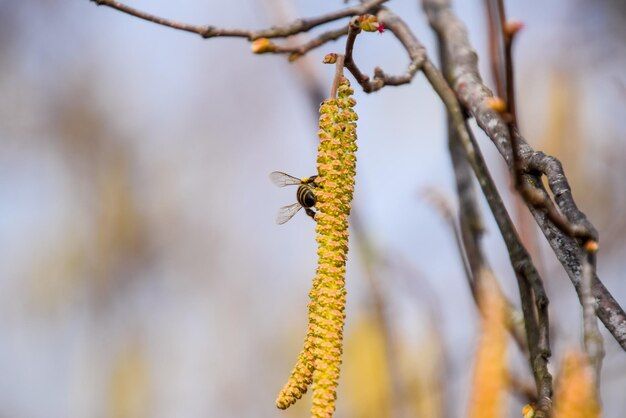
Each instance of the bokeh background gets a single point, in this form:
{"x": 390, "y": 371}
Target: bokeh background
{"x": 141, "y": 272}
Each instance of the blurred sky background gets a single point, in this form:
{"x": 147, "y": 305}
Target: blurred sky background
{"x": 141, "y": 271}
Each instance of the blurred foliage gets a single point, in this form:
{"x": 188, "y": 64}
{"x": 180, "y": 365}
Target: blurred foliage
{"x": 575, "y": 390}
{"x": 593, "y": 167}
{"x": 366, "y": 381}
{"x": 423, "y": 370}
{"x": 129, "y": 384}
{"x": 365, "y": 378}
{"x": 106, "y": 236}
{"x": 489, "y": 385}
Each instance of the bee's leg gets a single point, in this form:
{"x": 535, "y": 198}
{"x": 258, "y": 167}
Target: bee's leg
{"x": 310, "y": 212}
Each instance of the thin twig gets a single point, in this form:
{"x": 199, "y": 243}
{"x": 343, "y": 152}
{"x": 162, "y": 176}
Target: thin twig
{"x": 510, "y": 115}
{"x": 507, "y": 35}
{"x": 520, "y": 258}
{"x": 298, "y": 51}
{"x": 571, "y": 221}
{"x": 305, "y": 67}
{"x": 532, "y": 294}
{"x": 592, "y": 338}
{"x": 339, "y": 65}
{"x": 536, "y": 323}
{"x": 470, "y": 220}
{"x": 478, "y": 269}
{"x": 495, "y": 58}
{"x": 505, "y": 88}
{"x": 381, "y": 79}
{"x": 474, "y": 96}
{"x": 532, "y": 196}
{"x": 498, "y": 33}
{"x": 502, "y": 71}
{"x": 353, "y": 30}
{"x": 283, "y": 31}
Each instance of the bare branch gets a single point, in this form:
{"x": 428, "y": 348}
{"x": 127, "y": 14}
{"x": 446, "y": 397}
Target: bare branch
{"x": 473, "y": 94}
{"x": 204, "y": 31}
{"x": 208, "y": 31}
{"x": 477, "y": 269}
{"x": 499, "y": 32}
{"x": 506, "y": 88}
{"x": 533, "y": 297}
{"x": 537, "y": 329}
{"x": 353, "y": 31}
{"x": 470, "y": 220}
{"x": 415, "y": 50}
{"x": 298, "y": 51}
{"x": 495, "y": 58}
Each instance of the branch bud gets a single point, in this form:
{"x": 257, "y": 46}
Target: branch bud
{"x": 262, "y": 45}
{"x": 497, "y": 104}
{"x": 512, "y": 27}
{"x": 369, "y": 23}
{"x": 591, "y": 246}
{"x": 330, "y": 58}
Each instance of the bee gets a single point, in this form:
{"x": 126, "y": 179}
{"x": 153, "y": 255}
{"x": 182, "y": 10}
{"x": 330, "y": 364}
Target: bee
{"x": 305, "y": 195}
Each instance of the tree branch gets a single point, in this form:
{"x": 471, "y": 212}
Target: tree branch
{"x": 283, "y": 31}
{"x": 415, "y": 50}
{"x": 475, "y": 266}
{"x": 470, "y": 220}
{"x": 592, "y": 338}
{"x": 298, "y": 51}
{"x": 532, "y": 292}
{"x": 473, "y": 94}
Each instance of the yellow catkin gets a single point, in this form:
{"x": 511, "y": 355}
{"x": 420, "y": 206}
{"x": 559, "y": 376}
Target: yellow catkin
{"x": 489, "y": 383}
{"x": 302, "y": 374}
{"x": 320, "y": 359}
{"x": 575, "y": 394}
{"x": 301, "y": 377}
{"x": 336, "y": 166}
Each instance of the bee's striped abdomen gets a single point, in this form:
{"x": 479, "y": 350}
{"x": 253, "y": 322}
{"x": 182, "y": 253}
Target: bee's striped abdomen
{"x": 305, "y": 196}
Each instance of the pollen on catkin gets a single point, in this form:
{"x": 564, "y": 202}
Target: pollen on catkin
{"x": 320, "y": 359}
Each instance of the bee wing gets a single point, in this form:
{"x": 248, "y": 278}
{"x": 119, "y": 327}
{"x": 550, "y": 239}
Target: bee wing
{"x": 286, "y": 212}
{"x": 282, "y": 179}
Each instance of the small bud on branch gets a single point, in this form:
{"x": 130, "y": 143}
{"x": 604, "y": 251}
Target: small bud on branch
{"x": 512, "y": 27}
{"x": 369, "y": 23}
{"x": 330, "y": 58}
{"x": 262, "y": 46}
{"x": 497, "y": 104}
